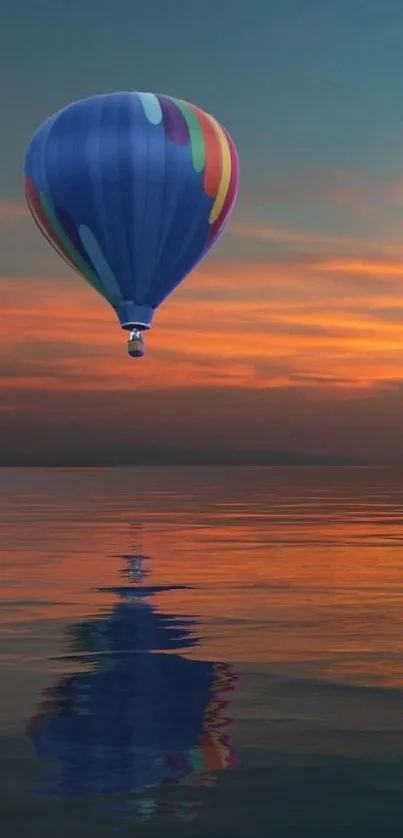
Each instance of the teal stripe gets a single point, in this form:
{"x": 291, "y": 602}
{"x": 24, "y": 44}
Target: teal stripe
{"x": 152, "y": 107}
{"x": 196, "y": 135}
{"x": 101, "y": 266}
{"x": 75, "y": 256}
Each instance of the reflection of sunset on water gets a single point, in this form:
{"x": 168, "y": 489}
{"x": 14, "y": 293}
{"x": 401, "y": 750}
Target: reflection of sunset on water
{"x": 284, "y": 582}
{"x": 306, "y": 571}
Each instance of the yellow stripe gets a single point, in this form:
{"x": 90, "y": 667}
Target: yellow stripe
{"x": 225, "y": 171}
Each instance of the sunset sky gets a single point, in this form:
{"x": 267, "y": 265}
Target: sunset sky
{"x": 290, "y": 335}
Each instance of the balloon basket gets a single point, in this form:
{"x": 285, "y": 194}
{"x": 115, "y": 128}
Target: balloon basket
{"x": 135, "y": 344}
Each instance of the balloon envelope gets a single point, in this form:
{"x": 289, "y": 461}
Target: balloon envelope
{"x": 132, "y": 190}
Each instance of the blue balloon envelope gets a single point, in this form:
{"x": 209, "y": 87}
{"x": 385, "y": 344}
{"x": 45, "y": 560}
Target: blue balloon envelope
{"x": 132, "y": 190}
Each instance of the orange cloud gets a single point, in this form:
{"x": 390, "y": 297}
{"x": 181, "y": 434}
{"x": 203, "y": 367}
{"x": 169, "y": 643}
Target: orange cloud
{"x": 357, "y": 195}
{"x": 273, "y": 339}
{"x": 10, "y": 211}
{"x": 362, "y": 267}
{"x": 315, "y": 243}
{"x": 326, "y": 324}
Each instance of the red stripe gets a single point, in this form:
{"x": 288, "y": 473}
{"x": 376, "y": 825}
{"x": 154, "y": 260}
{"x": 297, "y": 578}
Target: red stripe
{"x": 213, "y": 159}
{"x": 212, "y": 755}
{"x": 42, "y": 222}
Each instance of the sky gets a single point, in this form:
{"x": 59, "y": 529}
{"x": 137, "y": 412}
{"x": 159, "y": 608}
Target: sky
{"x": 289, "y": 336}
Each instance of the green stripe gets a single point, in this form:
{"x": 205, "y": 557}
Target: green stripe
{"x": 82, "y": 266}
{"x": 196, "y": 135}
{"x": 196, "y": 759}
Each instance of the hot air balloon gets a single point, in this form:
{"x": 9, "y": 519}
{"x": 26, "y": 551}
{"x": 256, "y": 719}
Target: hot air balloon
{"x": 132, "y": 190}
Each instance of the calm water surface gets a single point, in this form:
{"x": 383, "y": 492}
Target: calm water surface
{"x": 205, "y": 652}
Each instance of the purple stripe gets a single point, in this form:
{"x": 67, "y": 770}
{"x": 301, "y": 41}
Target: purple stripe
{"x": 174, "y": 122}
{"x": 70, "y": 230}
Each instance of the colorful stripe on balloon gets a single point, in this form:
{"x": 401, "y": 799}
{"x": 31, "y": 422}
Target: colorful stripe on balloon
{"x": 213, "y": 151}
{"x": 50, "y": 226}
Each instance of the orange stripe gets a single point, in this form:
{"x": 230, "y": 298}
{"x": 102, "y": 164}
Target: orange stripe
{"x": 231, "y": 193}
{"x": 225, "y": 171}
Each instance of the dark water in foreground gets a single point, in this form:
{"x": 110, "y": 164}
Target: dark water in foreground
{"x": 201, "y": 653}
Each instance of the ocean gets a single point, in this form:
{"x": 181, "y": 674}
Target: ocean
{"x": 201, "y": 651}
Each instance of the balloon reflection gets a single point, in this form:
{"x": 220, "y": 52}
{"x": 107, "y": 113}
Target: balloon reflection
{"x": 139, "y": 713}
